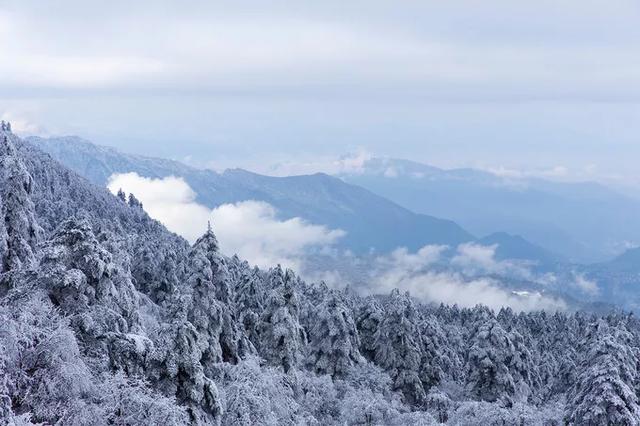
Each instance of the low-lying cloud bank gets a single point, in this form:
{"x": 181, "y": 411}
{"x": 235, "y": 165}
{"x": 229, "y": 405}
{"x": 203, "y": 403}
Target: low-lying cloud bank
{"x": 249, "y": 228}
{"x": 253, "y": 231}
{"x": 410, "y": 272}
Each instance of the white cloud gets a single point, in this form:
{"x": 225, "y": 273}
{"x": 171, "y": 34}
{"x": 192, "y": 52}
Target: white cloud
{"x": 412, "y": 262}
{"x": 585, "y": 285}
{"x": 249, "y": 228}
{"x": 21, "y": 125}
{"x": 556, "y": 173}
{"x": 473, "y": 259}
{"x": 407, "y": 272}
{"x": 352, "y": 163}
{"x": 217, "y": 45}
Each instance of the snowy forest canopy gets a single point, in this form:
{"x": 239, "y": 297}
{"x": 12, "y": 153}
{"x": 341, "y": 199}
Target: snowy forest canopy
{"x": 108, "y": 318}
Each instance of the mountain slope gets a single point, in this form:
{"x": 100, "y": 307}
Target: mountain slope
{"x": 515, "y": 247}
{"x": 370, "y": 221}
{"x": 107, "y": 318}
{"x": 584, "y": 222}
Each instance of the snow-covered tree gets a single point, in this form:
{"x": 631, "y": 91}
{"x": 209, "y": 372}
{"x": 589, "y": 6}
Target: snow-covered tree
{"x": 282, "y": 338}
{"x": 440, "y": 361}
{"x": 488, "y": 375}
{"x": 108, "y": 318}
{"x": 20, "y": 231}
{"x": 333, "y": 338}
{"x": 370, "y": 315}
{"x": 121, "y": 195}
{"x": 208, "y": 284}
{"x": 250, "y": 301}
{"x": 398, "y": 345}
{"x": 134, "y": 202}
{"x": 604, "y": 393}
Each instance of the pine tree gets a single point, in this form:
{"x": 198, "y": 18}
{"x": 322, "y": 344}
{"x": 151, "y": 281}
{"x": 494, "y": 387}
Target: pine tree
{"x": 250, "y": 300}
{"x": 333, "y": 338}
{"x": 488, "y": 375}
{"x": 439, "y": 359}
{"x": 398, "y": 347}
{"x": 604, "y": 393}
{"x": 281, "y": 336}
{"x": 370, "y": 315}
{"x": 208, "y": 281}
{"x": 21, "y": 232}
{"x": 134, "y": 202}
{"x": 122, "y": 196}
{"x": 4, "y": 238}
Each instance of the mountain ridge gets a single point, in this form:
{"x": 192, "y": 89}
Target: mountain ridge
{"x": 584, "y": 222}
{"x": 370, "y": 221}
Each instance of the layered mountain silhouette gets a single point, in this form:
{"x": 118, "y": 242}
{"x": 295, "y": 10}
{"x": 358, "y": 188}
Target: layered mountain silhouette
{"x": 371, "y": 222}
{"x": 583, "y": 222}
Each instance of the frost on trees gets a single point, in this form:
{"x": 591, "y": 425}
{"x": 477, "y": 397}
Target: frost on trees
{"x": 333, "y": 338}
{"x": 208, "y": 282}
{"x": 397, "y": 347}
{"x": 250, "y": 301}
{"x": 134, "y": 202}
{"x": 488, "y": 375}
{"x": 121, "y": 195}
{"x": 605, "y": 390}
{"x": 370, "y": 316}
{"x": 20, "y": 231}
{"x": 281, "y": 336}
{"x": 440, "y": 361}
{"x": 499, "y": 367}
{"x": 108, "y": 318}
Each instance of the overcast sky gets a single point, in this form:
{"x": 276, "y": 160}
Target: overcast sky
{"x": 524, "y": 85}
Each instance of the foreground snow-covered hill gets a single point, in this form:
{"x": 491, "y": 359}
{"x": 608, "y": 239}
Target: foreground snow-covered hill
{"x": 107, "y": 318}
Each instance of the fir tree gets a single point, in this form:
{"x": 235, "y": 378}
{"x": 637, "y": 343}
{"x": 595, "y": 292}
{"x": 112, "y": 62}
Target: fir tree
{"x": 122, "y": 196}
{"x": 20, "y": 232}
{"x": 134, "y": 202}
{"x": 333, "y": 338}
{"x": 398, "y": 347}
{"x": 209, "y": 288}
{"x": 604, "y": 393}
{"x": 281, "y": 336}
{"x": 488, "y": 375}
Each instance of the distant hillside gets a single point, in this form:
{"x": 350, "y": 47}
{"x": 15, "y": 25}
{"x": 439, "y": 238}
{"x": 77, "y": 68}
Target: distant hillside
{"x": 370, "y": 221}
{"x": 584, "y": 222}
{"x": 515, "y": 247}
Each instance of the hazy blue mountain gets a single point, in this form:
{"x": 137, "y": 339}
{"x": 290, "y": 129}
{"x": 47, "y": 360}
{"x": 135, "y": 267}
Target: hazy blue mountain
{"x": 618, "y": 280}
{"x": 515, "y": 247}
{"x": 628, "y": 261}
{"x": 369, "y": 220}
{"x": 584, "y": 222}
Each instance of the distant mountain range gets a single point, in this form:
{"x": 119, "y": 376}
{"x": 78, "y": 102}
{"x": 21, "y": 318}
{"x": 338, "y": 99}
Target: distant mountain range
{"x": 371, "y": 222}
{"x": 535, "y": 209}
{"x": 583, "y": 222}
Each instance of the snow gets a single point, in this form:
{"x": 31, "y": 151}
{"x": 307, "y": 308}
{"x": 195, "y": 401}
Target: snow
{"x": 108, "y": 318}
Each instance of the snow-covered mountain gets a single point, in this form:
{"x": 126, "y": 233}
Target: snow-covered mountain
{"x": 107, "y": 318}
{"x": 370, "y": 221}
{"x": 583, "y": 222}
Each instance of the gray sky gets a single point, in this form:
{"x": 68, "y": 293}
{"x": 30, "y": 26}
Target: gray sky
{"x": 513, "y": 85}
